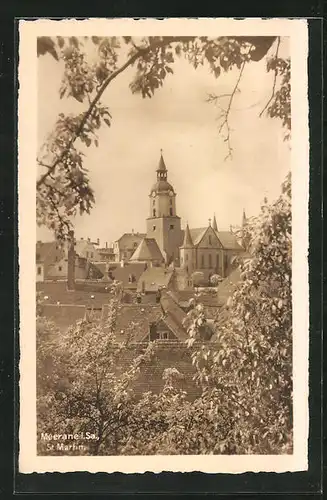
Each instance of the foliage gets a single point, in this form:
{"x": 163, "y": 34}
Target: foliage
{"x": 253, "y": 361}
{"x": 63, "y": 188}
{"x": 215, "y": 279}
{"x": 79, "y": 388}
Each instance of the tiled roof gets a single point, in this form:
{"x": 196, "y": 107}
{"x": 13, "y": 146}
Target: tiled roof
{"x": 133, "y": 321}
{"x": 82, "y": 295}
{"x": 197, "y": 233}
{"x": 153, "y": 278}
{"x": 147, "y": 251}
{"x": 174, "y": 316}
{"x": 123, "y": 274}
{"x": 127, "y": 240}
{"x": 227, "y": 239}
{"x": 64, "y": 315}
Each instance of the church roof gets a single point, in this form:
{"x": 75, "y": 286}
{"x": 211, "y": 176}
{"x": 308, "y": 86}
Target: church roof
{"x": 227, "y": 239}
{"x": 161, "y": 186}
{"x": 161, "y": 166}
{"x": 197, "y": 233}
{"x": 187, "y": 243}
{"x": 147, "y": 250}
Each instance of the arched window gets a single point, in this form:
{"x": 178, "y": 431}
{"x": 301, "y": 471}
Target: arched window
{"x": 210, "y": 260}
{"x": 154, "y": 212}
{"x": 217, "y": 261}
{"x": 209, "y": 240}
{"x": 186, "y": 257}
{"x": 154, "y": 202}
{"x": 202, "y": 260}
{"x": 170, "y": 211}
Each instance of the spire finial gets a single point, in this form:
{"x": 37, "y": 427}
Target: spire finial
{"x": 214, "y": 223}
{"x": 209, "y": 221}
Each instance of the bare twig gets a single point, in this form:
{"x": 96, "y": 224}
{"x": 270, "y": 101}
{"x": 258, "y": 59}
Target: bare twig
{"x": 274, "y": 82}
{"x": 225, "y": 122}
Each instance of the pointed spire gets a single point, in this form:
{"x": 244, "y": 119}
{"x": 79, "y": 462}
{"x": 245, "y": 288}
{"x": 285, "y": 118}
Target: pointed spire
{"x": 161, "y": 166}
{"x": 187, "y": 243}
{"x": 161, "y": 170}
{"x": 214, "y": 223}
{"x": 243, "y": 218}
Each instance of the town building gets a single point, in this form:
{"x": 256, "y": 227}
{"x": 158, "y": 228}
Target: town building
{"x": 207, "y": 250}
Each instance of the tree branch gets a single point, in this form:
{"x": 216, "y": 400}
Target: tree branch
{"x": 225, "y": 122}
{"x": 88, "y": 113}
{"x": 107, "y": 81}
{"x": 274, "y": 82}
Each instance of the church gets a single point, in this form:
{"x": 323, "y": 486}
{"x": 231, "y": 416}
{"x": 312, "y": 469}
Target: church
{"x": 165, "y": 244}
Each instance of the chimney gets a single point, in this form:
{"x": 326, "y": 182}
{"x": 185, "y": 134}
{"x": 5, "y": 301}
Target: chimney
{"x": 71, "y": 262}
{"x": 98, "y": 241}
{"x": 132, "y": 231}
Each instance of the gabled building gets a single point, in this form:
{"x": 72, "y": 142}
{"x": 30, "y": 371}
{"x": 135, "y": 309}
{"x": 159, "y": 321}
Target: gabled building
{"x": 148, "y": 252}
{"x": 126, "y": 245}
{"x": 47, "y": 255}
{"x": 208, "y": 250}
{"x": 87, "y": 249}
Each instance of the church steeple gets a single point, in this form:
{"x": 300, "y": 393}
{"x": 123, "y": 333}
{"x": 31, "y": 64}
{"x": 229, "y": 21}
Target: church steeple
{"x": 243, "y": 218}
{"x": 214, "y": 223}
{"x": 161, "y": 170}
{"x": 187, "y": 243}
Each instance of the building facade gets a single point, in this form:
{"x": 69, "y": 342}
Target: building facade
{"x": 163, "y": 223}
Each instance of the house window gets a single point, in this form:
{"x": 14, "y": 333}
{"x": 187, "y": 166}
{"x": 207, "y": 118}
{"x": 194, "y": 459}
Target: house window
{"x": 210, "y": 260}
{"x": 59, "y": 268}
{"x": 39, "y": 270}
{"x": 202, "y": 260}
{"x": 154, "y": 228}
{"x": 171, "y": 226}
{"x": 163, "y": 335}
{"x": 135, "y": 244}
{"x": 154, "y": 212}
{"x": 170, "y": 211}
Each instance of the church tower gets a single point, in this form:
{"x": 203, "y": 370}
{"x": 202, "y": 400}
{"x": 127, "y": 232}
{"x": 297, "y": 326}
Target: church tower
{"x": 163, "y": 224}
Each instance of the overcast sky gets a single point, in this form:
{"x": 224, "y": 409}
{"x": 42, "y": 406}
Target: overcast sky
{"x": 178, "y": 120}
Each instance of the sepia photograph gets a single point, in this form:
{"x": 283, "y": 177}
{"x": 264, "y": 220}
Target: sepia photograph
{"x": 162, "y": 266}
